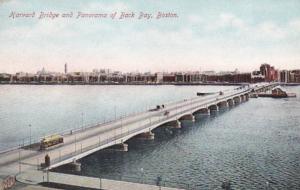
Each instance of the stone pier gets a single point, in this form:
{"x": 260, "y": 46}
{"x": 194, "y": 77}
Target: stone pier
{"x": 75, "y": 165}
{"x": 253, "y": 95}
{"x": 243, "y": 97}
{"x": 213, "y": 108}
{"x": 146, "y": 136}
{"x": 247, "y": 97}
{"x": 123, "y": 147}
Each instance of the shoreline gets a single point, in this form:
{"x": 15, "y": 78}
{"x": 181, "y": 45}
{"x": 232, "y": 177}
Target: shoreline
{"x": 146, "y": 84}
{"x": 125, "y": 84}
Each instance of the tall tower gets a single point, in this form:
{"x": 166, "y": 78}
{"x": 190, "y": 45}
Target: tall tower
{"x": 66, "y": 68}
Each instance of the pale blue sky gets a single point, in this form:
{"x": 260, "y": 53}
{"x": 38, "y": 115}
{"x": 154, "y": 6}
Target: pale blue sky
{"x": 207, "y": 35}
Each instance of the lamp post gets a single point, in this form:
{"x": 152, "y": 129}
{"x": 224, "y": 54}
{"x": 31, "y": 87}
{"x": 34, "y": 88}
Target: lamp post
{"x": 29, "y": 136}
{"x": 82, "y": 120}
{"x": 20, "y": 159}
{"x": 115, "y": 110}
{"x": 75, "y": 143}
{"x": 142, "y": 171}
{"x": 121, "y": 127}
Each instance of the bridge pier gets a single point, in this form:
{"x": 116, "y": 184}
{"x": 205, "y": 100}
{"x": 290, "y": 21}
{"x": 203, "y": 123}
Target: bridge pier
{"x": 242, "y": 97}
{"x": 75, "y": 165}
{"x": 213, "y": 108}
{"x": 188, "y": 117}
{"x": 253, "y": 95}
{"x": 146, "y": 136}
{"x": 247, "y": 97}
{"x": 123, "y": 147}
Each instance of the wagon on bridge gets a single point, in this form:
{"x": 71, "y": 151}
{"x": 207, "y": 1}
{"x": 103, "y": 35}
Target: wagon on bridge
{"x": 51, "y": 141}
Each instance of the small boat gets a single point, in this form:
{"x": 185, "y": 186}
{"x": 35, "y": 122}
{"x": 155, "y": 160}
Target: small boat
{"x": 204, "y": 93}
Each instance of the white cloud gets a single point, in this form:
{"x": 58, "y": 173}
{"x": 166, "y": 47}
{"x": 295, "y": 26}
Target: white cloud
{"x": 262, "y": 31}
{"x": 270, "y": 30}
{"x": 230, "y": 20}
{"x": 195, "y": 19}
{"x": 224, "y": 21}
{"x": 294, "y": 25}
{"x": 11, "y": 3}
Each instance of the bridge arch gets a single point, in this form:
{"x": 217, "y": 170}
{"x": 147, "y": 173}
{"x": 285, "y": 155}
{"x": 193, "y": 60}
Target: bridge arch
{"x": 230, "y": 102}
{"x": 188, "y": 117}
{"x": 237, "y": 99}
{"x": 172, "y": 124}
{"x": 202, "y": 111}
{"x": 222, "y": 105}
{"x": 213, "y": 107}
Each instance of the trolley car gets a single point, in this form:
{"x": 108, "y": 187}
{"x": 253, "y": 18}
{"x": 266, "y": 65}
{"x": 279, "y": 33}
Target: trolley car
{"x": 51, "y": 141}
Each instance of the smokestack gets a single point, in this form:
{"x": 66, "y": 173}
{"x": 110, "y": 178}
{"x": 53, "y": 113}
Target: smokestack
{"x": 66, "y": 68}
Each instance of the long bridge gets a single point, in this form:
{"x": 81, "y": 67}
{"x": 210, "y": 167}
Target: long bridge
{"x": 81, "y": 143}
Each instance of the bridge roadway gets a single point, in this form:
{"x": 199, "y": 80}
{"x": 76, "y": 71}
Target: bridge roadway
{"x": 79, "y": 144}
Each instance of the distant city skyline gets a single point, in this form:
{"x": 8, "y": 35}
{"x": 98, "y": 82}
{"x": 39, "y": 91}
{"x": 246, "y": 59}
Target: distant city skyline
{"x": 207, "y": 35}
{"x": 66, "y": 69}
{"x": 266, "y": 73}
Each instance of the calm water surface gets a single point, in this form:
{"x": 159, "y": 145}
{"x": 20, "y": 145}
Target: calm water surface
{"x": 251, "y": 144}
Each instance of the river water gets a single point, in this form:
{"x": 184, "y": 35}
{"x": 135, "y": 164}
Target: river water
{"x": 253, "y": 145}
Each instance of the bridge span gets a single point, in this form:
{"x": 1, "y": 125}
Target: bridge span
{"x": 78, "y": 144}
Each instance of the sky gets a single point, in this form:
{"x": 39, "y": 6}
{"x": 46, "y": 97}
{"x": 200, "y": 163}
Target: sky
{"x": 219, "y": 35}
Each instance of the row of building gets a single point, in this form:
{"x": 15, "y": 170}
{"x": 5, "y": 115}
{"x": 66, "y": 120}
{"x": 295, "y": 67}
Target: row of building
{"x": 266, "y": 73}
{"x": 292, "y": 76}
{"x": 285, "y": 76}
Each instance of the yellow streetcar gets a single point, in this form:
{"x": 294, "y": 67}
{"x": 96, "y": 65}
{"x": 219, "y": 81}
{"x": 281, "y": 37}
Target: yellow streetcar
{"x": 51, "y": 141}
